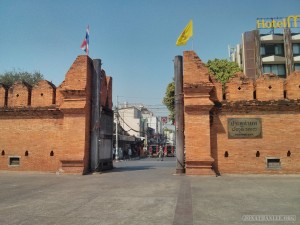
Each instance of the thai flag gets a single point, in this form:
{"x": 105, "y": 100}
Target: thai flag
{"x": 85, "y": 44}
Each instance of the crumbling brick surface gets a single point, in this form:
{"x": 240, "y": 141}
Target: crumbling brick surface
{"x": 43, "y": 94}
{"x": 3, "y": 95}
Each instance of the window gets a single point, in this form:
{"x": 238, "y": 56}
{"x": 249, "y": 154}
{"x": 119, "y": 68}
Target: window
{"x": 279, "y": 50}
{"x": 267, "y": 69}
{"x": 273, "y": 163}
{"x": 262, "y": 50}
{"x": 271, "y": 49}
{"x": 14, "y": 161}
{"x": 296, "y": 49}
{"x": 278, "y": 69}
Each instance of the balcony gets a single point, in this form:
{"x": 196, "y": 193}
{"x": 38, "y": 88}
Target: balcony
{"x": 271, "y": 38}
{"x": 273, "y": 59}
{"x": 297, "y": 59}
{"x": 296, "y": 37}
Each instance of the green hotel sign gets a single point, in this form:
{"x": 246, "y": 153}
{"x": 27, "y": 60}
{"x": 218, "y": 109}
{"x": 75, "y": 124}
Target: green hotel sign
{"x": 288, "y": 22}
{"x": 241, "y": 128}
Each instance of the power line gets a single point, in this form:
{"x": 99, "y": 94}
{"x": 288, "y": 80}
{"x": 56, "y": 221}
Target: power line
{"x": 128, "y": 125}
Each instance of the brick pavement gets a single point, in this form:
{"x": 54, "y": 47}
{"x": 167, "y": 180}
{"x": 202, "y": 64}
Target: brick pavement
{"x": 146, "y": 192}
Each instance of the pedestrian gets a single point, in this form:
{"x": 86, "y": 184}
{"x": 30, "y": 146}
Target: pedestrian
{"x": 114, "y": 153}
{"x": 129, "y": 153}
{"x": 161, "y": 154}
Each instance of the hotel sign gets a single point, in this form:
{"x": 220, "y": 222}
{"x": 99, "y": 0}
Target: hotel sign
{"x": 241, "y": 128}
{"x": 289, "y": 22}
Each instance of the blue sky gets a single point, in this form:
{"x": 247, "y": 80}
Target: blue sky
{"x": 135, "y": 39}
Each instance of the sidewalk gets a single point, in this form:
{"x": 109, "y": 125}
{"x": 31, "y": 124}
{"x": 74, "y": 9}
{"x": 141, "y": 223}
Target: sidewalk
{"x": 146, "y": 192}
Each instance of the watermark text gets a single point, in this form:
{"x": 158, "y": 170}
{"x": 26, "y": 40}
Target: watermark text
{"x": 270, "y": 218}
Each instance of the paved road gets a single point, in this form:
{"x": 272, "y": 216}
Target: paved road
{"x": 146, "y": 192}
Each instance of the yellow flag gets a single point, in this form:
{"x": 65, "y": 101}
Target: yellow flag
{"x": 186, "y": 34}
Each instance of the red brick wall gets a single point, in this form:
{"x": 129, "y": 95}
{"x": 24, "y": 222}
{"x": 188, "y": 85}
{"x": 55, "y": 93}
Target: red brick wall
{"x": 39, "y": 133}
{"x": 239, "y": 88}
{"x": 293, "y": 85}
{"x": 273, "y": 100}
{"x": 197, "y": 104}
{"x": 279, "y": 135}
{"x": 43, "y": 94}
{"x": 76, "y": 77}
{"x": 19, "y": 95}
{"x": 3, "y": 91}
{"x": 269, "y": 87}
{"x": 217, "y": 93}
{"x": 43, "y": 119}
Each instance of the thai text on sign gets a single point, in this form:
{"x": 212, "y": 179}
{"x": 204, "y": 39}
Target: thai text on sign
{"x": 244, "y": 128}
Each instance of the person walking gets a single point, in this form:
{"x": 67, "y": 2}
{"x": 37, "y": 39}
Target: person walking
{"x": 161, "y": 154}
{"x": 129, "y": 153}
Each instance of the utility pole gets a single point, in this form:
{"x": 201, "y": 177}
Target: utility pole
{"x": 95, "y": 114}
{"x": 117, "y": 136}
{"x": 178, "y": 74}
{"x": 146, "y": 136}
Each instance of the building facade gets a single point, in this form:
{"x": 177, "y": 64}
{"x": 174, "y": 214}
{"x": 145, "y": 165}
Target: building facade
{"x": 138, "y": 123}
{"x": 130, "y": 121}
{"x": 271, "y": 52}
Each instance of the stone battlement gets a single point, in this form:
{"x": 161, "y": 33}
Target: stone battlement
{"x": 46, "y": 94}
{"x": 268, "y": 87}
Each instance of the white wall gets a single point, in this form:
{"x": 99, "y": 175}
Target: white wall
{"x": 130, "y": 120}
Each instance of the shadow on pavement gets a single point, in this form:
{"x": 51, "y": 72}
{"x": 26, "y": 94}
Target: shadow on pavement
{"x": 131, "y": 168}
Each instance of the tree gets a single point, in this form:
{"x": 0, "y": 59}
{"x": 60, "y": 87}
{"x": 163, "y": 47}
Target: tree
{"x": 9, "y": 78}
{"x": 169, "y": 100}
{"x": 222, "y": 69}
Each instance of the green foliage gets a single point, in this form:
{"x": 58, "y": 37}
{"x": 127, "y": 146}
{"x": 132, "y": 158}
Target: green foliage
{"x": 10, "y": 77}
{"x": 169, "y": 100}
{"x": 222, "y": 69}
